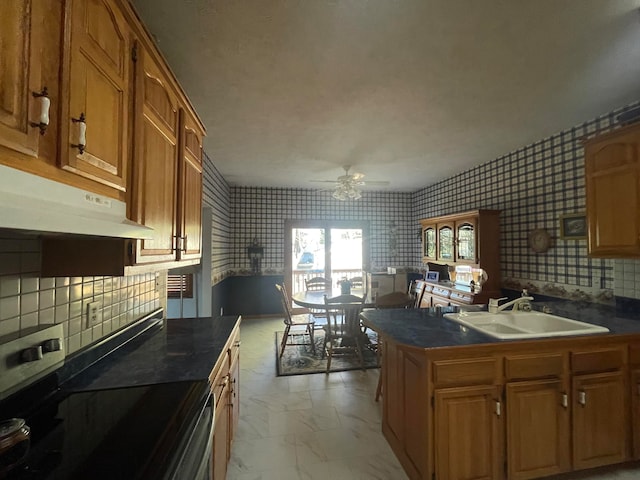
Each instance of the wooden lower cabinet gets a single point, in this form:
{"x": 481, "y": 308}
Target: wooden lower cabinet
{"x": 635, "y": 412}
{"x": 512, "y": 411}
{"x": 467, "y": 433}
{"x": 226, "y": 388}
{"x": 537, "y": 429}
{"x": 599, "y": 420}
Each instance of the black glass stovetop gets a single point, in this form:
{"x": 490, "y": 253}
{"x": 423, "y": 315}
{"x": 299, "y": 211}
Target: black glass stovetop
{"x": 123, "y": 433}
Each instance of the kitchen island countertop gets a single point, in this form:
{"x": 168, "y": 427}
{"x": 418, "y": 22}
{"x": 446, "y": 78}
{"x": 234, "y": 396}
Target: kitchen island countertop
{"x": 427, "y": 328}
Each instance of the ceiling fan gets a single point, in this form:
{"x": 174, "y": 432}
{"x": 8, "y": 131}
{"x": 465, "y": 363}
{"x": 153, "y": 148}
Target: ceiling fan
{"x": 347, "y": 185}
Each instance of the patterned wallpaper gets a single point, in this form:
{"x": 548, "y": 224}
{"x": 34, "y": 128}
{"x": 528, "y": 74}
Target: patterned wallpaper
{"x": 533, "y": 186}
{"x": 261, "y": 212}
{"x": 216, "y": 194}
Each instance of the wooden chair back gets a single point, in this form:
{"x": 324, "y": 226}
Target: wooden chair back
{"x": 395, "y": 300}
{"x": 316, "y": 284}
{"x": 419, "y": 288}
{"x": 343, "y": 315}
{"x": 286, "y": 303}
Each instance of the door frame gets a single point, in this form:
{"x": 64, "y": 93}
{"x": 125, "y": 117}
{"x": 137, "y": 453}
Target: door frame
{"x": 327, "y": 225}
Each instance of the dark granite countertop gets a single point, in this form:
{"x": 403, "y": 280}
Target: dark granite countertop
{"x": 181, "y": 350}
{"x": 427, "y": 328}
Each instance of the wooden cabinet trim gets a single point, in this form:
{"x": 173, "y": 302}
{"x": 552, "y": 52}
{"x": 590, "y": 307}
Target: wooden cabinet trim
{"x": 519, "y": 367}
{"x": 597, "y": 360}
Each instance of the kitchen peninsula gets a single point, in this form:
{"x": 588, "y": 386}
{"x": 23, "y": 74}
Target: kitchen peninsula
{"x": 460, "y": 404}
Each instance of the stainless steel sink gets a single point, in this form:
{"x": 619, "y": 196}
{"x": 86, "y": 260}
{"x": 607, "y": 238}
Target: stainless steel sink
{"x": 514, "y": 324}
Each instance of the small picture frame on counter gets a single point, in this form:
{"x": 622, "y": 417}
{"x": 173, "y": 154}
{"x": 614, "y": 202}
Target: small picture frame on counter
{"x": 432, "y": 276}
{"x": 573, "y": 226}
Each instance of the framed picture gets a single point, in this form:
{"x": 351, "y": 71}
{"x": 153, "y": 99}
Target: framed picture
{"x": 573, "y": 226}
{"x": 432, "y": 276}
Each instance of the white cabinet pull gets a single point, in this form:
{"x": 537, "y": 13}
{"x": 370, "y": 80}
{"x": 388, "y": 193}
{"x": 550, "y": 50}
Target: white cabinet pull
{"x": 582, "y": 398}
{"x": 565, "y": 400}
{"x": 498, "y": 408}
{"x": 184, "y": 243}
{"x": 43, "y": 115}
{"x": 82, "y": 133}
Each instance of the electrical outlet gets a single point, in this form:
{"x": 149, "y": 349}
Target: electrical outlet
{"x": 94, "y": 314}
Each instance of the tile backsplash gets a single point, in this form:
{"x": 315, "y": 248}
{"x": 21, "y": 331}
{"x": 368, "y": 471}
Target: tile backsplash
{"x": 27, "y": 300}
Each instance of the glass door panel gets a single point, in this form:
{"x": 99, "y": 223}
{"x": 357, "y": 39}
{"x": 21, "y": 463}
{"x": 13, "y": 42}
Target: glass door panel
{"x": 429, "y": 242}
{"x": 466, "y": 241}
{"x": 345, "y": 254}
{"x": 307, "y": 256}
{"x": 445, "y": 242}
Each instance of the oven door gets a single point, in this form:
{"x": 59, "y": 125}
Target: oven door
{"x": 196, "y": 458}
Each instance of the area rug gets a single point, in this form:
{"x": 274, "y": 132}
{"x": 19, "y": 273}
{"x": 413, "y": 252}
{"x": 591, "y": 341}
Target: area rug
{"x": 299, "y": 360}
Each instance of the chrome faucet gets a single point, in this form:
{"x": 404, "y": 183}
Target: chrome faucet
{"x": 522, "y": 303}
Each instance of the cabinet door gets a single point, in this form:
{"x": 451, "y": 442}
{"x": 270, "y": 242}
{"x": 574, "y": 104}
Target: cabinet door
{"x": 537, "y": 419}
{"x": 445, "y": 242}
{"x": 635, "y": 412}
{"x": 429, "y": 242}
{"x": 599, "y": 420}
{"x": 234, "y": 399}
{"x": 154, "y": 186}
{"x": 466, "y": 247}
{"x": 98, "y": 90}
{"x": 190, "y": 193}
{"x": 467, "y": 433}
{"x": 20, "y": 76}
{"x": 613, "y": 194}
{"x": 221, "y": 436}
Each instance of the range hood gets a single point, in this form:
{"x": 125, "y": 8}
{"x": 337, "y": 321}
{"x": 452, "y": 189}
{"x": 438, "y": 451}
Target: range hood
{"x": 36, "y": 204}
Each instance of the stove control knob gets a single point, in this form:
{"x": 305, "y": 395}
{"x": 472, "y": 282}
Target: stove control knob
{"x": 51, "y": 345}
{"x": 31, "y": 354}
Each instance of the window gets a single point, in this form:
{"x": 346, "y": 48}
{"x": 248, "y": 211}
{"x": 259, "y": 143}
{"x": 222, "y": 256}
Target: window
{"x": 180, "y": 285}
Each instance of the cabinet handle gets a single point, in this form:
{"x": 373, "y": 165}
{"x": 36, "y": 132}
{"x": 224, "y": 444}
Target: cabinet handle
{"x": 565, "y": 400}
{"x": 43, "y": 118}
{"x": 582, "y": 398}
{"x": 498, "y": 408}
{"x": 174, "y": 243}
{"x": 225, "y": 382}
{"x": 238, "y": 343}
{"x": 184, "y": 244}
{"x": 82, "y": 133}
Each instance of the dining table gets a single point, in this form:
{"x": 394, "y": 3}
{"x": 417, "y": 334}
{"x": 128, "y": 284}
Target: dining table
{"x": 314, "y": 299}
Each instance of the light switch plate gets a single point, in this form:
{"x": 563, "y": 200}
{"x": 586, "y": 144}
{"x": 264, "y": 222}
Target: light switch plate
{"x": 94, "y": 314}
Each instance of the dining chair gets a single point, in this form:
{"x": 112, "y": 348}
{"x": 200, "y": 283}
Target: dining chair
{"x": 317, "y": 284}
{"x": 418, "y": 291}
{"x": 343, "y": 334}
{"x": 389, "y": 300}
{"x": 295, "y": 325}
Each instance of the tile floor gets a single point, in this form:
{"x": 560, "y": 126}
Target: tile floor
{"x": 309, "y": 427}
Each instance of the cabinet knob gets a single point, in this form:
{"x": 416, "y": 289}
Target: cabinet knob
{"x": 82, "y": 133}
{"x": 44, "y": 103}
{"x": 498, "y": 408}
{"x": 565, "y": 400}
{"x": 582, "y": 398}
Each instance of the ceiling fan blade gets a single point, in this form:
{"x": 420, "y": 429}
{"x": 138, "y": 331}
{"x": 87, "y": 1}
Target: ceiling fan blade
{"x": 376, "y": 182}
{"x": 323, "y": 181}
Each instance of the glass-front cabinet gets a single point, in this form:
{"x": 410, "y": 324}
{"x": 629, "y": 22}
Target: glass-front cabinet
{"x": 466, "y": 241}
{"x": 429, "y": 242}
{"x": 446, "y": 242}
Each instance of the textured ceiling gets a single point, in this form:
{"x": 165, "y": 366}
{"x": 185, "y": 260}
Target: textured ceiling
{"x": 410, "y": 91}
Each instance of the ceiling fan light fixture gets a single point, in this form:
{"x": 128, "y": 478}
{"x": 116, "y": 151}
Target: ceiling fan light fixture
{"x": 346, "y": 191}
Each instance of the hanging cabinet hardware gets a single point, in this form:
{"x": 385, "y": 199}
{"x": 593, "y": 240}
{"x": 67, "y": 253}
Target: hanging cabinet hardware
{"x": 44, "y": 102}
{"x": 565, "y": 400}
{"x": 174, "y": 243}
{"x": 184, "y": 244}
{"x": 498, "y": 408}
{"x": 82, "y": 133}
{"x": 582, "y": 398}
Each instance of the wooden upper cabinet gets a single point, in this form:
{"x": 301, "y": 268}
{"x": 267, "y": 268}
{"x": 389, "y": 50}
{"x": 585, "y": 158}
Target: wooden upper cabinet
{"x": 612, "y": 167}
{"x": 156, "y": 152}
{"x": 100, "y": 64}
{"x": 190, "y": 192}
{"x": 21, "y": 83}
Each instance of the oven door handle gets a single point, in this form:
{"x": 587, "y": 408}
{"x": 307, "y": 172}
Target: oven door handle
{"x": 207, "y": 461}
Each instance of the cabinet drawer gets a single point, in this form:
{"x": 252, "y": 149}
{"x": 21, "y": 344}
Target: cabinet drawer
{"x": 465, "y": 372}
{"x": 597, "y": 360}
{"x": 441, "y": 292}
{"x": 533, "y": 366}
{"x": 461, "y": 298}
